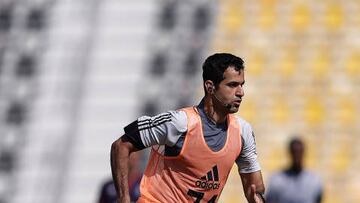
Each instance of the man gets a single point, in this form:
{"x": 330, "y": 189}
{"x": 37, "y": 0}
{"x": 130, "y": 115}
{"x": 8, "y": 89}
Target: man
{"x": 200, "y": 143}
{"x": 295, "y": 184}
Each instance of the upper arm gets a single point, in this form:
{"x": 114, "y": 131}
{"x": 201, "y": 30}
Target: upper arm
{"x": 247, "y": 160}
{"x": 248, "y": 165}
{"x": 162, "y": 129}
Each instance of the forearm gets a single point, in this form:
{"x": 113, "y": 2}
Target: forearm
{"x": 250, "y": 180}
{"x": 120, "y": 154}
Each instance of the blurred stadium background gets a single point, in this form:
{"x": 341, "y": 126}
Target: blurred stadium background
{"x": 73, "y": 73}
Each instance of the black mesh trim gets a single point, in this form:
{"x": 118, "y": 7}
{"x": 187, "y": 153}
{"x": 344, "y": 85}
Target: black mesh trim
{"x": 132, "y": 135}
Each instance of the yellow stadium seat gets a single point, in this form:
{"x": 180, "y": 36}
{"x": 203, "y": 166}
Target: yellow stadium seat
{"x": 256, "y": 61}
{"x": 300, "y": 18}
{"x": 232, "y": 18}
{"x": 288, "y": 64}
{"x": 224, "y": 46}
{"x": 346, "y": 111}
{"x": 341, "y": 160}
{"x": 314, "y": 111}
{"x": 280, "y": 110}
{"x": 353, "y": 65}
{"x": 334, "y": 16}
{"x": 276, "y": 159}
{"x": 267, "y": 15}
{"x": 321, "y": 64}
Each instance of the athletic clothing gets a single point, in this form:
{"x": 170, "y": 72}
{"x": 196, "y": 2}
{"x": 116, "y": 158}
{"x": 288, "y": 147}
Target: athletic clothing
{"x": 291, "y": 187}
{"x": 169, "y": 129}
{"x": 197, "y": 173}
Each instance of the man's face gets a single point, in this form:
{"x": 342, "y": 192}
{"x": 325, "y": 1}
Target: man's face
{"x": 230, "y": 90}
{"x": 297, "y": 154}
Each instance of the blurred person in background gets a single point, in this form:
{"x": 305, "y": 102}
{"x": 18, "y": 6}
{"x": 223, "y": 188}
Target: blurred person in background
{"x": 295, "y": 184}
{"x": 194, "y": 148}
{"x": 108, "y": 191}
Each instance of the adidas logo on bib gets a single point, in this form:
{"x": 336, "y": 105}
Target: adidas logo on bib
{"x": 210, "y": 180}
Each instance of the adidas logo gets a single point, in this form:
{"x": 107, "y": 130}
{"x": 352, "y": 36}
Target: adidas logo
{"x": 210, "y": 180}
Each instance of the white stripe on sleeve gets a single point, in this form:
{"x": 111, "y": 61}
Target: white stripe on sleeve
{"x": 162, "y": 129}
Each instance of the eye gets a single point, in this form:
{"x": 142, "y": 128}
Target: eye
{"x": 233, "y": 84}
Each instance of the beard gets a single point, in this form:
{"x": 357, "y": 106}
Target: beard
{"x": 234, "y": 109}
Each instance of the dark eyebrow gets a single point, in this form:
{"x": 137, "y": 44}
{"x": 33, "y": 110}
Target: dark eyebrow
{"x": 236, "y": 83}
{"x": 233, "y": 82}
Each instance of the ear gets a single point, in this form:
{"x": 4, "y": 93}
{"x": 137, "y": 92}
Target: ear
{"x": 209, "y": 85}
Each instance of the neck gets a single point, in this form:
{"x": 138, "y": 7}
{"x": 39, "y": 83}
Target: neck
{"x": 295, "y": 169}
{"x": 215, "y": 112}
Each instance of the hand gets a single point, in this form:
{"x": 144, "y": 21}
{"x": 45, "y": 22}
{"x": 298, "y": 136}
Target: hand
{"x": 255, "y": 197}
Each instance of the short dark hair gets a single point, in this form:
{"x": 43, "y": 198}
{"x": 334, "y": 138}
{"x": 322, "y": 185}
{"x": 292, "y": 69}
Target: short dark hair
{"x": 216, "y": 64}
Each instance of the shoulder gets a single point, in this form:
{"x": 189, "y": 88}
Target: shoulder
{"x": 311, "y": 175}
{"x": 180, "y": 114}
{"x": 246, "y": 128}
{"x": 312, "y": 180}
{"x": 243, "y": 123}
{"x": 175, "y": 116}
{"x": 161, "y": 123}
{"x": 179, "y": 119}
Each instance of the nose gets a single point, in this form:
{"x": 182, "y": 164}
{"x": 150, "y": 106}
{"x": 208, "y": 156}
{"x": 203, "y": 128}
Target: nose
{"x": 239, "y": 91}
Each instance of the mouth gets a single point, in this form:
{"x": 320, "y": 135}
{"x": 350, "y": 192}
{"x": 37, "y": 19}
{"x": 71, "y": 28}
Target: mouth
{"x": 237, "y": 102}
